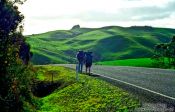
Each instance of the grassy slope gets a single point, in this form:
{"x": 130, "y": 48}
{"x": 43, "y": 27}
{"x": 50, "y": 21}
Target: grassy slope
{"x": 89, "y": 94}
{"x": 107, "y": 43}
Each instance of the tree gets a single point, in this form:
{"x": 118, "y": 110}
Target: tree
{"x": 15, "y": 77}
{"x": 173, "y": 39}
{"x": 159, "y": 51}
{"x": 163, "y": 51}
{"x": 172, "y": 50}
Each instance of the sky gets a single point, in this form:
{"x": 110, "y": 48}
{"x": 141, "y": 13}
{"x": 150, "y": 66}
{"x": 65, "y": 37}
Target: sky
{"x": 49, "y": 15}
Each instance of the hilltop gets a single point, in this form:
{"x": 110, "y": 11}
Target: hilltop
{"x": 106, "y": 43}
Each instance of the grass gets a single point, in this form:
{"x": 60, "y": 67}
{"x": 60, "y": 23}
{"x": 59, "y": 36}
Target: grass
{"x": 140, "y": 62}
{"x": 87, "y": 94}
{"x": 107, "y": 43}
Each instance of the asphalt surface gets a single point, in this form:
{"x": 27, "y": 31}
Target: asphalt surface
{"x": 157, "y": 80}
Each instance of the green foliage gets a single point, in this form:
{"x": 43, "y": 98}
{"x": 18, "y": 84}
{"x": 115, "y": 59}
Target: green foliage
{"x": 88, "y": 94}
{"x": 164, "y": 55}
{"x": 107, "y": 43}
{"x": 15, "y": 77}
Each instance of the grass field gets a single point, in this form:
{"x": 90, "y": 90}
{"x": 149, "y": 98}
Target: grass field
{"x": 140, "y": 62}
{"x": 106, "y": 43}
{"x": 87, "y": 94}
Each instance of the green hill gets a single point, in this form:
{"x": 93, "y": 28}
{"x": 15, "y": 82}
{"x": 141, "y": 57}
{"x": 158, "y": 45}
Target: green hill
{"x": 107, "y": 43}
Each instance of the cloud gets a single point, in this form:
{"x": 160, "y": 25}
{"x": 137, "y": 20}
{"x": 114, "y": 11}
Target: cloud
{"x": 147, "y": 13}
{"x": 151, "y": 17}
{"x": 153, "y": 13}
{"x": 63, "y": 14}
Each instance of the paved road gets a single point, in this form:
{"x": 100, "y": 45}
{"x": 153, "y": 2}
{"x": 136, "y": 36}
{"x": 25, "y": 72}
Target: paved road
{"x": 158, "y": 80}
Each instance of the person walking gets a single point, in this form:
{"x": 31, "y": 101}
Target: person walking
{"x": 88, "y": 61}
{"x": 80, "y": 57}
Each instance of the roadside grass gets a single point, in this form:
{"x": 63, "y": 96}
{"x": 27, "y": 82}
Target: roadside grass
{"x": 87, "y": 94}
{"x": 139, "y": 62}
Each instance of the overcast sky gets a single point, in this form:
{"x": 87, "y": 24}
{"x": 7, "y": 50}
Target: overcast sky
{"x": 47, "y": 15}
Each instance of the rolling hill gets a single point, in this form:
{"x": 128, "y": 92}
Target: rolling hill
{"x": 106, "y": 43}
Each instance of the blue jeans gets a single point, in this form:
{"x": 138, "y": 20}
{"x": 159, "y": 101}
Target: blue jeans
{"x": 80, "y": 67}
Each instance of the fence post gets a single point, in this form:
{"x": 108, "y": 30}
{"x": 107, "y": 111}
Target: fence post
{"x": 77, "y": 71}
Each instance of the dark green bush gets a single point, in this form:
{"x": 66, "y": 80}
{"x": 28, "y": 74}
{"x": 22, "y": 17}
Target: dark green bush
{"x": 15, "y": 77}
{"x": 164, "y": 54}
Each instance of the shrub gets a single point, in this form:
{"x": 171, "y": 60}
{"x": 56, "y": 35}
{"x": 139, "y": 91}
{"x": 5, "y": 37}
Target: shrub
{"x": 15, "y": 77}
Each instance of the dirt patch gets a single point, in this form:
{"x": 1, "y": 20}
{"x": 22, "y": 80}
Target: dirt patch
{"x": 44, "y": 88}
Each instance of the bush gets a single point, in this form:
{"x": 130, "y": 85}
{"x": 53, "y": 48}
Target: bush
{"x": 15, "y": 77}
{"x": 164, "y": 54}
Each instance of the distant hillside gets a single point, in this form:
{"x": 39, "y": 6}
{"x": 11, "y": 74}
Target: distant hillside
{"x": 107, "y": 43}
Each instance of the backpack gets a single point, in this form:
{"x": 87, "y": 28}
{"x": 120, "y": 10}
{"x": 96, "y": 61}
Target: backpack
{"x": 88, "y": 58}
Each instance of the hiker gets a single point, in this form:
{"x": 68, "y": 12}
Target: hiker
{"x": 24, "y": 53}
{"x": 80, "y": 57}
{"x": 88, "y": 61}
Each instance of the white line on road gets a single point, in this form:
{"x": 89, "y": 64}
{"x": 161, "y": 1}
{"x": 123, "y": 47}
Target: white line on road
{"x": 157, "y": 93}
{"x": 133, "y": 85}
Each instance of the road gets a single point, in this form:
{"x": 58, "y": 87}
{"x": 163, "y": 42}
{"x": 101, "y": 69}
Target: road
{"x": 157, "y": 80}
